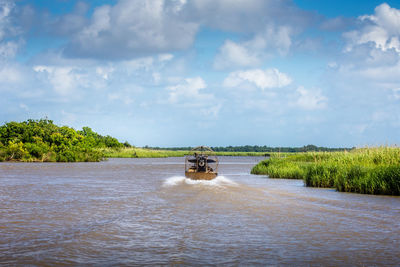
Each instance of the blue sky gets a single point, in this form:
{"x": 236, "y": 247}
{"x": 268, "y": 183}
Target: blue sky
{"x": 186, "y": 73}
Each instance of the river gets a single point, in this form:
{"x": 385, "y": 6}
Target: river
{"x": 144, "y": 212}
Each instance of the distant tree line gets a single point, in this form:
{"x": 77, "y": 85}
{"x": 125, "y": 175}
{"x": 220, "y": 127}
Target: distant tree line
{"x": 248, "y": 148}
{"x": 42, "y": 140}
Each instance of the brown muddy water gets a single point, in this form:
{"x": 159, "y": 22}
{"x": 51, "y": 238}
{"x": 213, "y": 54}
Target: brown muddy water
{"x": 143, "y": 212}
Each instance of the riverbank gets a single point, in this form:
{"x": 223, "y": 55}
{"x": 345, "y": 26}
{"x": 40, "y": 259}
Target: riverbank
{"x": 134, "y": 152}
{"x": 364, "y": 170}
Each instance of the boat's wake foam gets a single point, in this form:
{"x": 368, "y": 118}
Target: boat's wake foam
{"x": 179, "y": 180}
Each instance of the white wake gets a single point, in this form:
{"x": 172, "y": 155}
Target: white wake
{"x": 179, "y": 180}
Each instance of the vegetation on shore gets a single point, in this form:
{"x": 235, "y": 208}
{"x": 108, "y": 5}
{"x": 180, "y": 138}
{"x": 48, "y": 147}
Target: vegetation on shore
{"x": 43, "y": 141}
{"x": 260, "y": 149}
{"x": 134, "y": 152}
{"x": 363, "y": 170}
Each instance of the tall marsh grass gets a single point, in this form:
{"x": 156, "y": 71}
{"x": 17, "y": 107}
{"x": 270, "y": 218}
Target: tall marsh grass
{"x": 363, "y": 170}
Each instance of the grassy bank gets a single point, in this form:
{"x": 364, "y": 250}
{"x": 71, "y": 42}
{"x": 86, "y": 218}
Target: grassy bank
{"x": 153, "y": 153}
{"x": 134, "y": 152}
{"x": 365, "y": 170}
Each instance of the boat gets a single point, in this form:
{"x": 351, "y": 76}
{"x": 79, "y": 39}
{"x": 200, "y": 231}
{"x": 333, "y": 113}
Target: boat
{"x": 201, "y": 164}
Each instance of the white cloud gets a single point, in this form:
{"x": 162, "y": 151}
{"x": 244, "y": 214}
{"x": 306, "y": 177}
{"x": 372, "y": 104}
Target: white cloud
{"x": 9, "y": 45}
{"x": 165, "y": 57}
{"x": 8, "y": 49}
{"x": 365, "y": 76}
{"x": 369, "y": 67}
{"x": 132, "y": 29}
{"x": 310, "y": 99}
{"x": 269, "y": 78}
{"x": 381, "y": 29}
{"x": 70, "y": 80}
{"x": 105, "y": 72}
{"x": 66, "y": 79}
{"x": 10, "y": 74}
{"x": 251, "y": 53}
{"x": 279, "y": 38}
{"x": 61, "y": 78}
{"x": 249, "y": 16}
{"x": 232, "y": 54}
{"x": 6, "y": 27}
{"x": 145, "y": 63}
{"x": 188, "y": 92}
{"x": 270, "y": 27}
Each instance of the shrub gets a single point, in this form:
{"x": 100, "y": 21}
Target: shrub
{"x": 41, "y": 140}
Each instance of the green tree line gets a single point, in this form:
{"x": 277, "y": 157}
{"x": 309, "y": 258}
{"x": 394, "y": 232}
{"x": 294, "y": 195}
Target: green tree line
{"x": 42, "y": 140}
{"x": 248, "y": 148}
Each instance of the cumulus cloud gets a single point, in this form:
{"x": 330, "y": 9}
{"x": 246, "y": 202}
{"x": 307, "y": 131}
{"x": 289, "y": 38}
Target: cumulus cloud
{"x": 190, "y": 94}
{"x": 9, "y": 49}
{"x": 104, "y": 72}
{"x": 269, "y": 78}
{"x": 132, "y": 29}
{"x": 188, "y": 90}
{"x": 165, "y": 57}
{"x": 6, "y": 27}
{"x": 70, "y": 22}
{"x": 9, "y": 44}
{"x": 372, "y": 54}
{"x": 63, "y": 79}
{"x": 10, "y": 74}
{"x": 310, "y": 99}
{"x": 361, "y": 83}
{"x": 381, "y": 29}
{"x": 249, "y": 16}
{"x": 270, "y": 27}
{"x": 232, "y": 54}
{"x": 251, "y": 53}
{"x": 69, "y": 81}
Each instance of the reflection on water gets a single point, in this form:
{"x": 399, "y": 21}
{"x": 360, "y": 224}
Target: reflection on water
{"x": 143, "y": 211}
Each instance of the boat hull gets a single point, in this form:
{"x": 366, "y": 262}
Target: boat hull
{"x": 201, "y": 175}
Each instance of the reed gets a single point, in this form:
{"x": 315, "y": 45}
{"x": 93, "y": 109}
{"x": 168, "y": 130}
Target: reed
{"x": 363, "y": 170}
{"x": 280, "y": 168}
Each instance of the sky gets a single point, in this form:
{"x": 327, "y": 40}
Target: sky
{"x": 205, "y": 72}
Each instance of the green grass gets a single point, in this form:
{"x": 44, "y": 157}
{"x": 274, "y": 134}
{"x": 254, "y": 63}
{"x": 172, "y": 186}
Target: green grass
{"x": 134, "y": 152}
{"x": 151, "y": 153}
{"x": 364, "y": 170}
{"x": 280, "y": 168}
